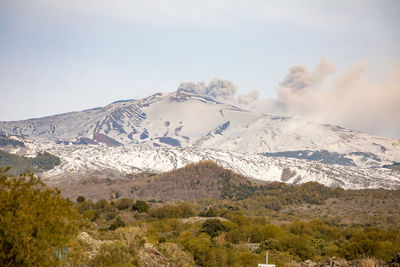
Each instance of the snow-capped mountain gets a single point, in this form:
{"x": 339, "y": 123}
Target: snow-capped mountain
{"x": 182, "y": 119}
{"x": 166, "y": 131}
{"x": 136, "y": 158}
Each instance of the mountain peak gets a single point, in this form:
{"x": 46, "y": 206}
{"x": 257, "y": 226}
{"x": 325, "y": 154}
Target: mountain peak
{"x": 186, "y": 120}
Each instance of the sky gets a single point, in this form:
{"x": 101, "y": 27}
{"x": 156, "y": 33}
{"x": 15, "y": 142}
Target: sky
{"x": 322, "y": 60}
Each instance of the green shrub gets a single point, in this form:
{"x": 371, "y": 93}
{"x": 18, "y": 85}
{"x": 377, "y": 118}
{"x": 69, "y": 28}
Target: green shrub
{"x": 123, "y": 203}
{"x": 80, "y": 199}
{"x": 181, "y": 210}
{"x": 91, "y": 215}
{"x": 33, "y": 220}
{"x": 118, "y": 222}
{"x": 103, "y": 205}
{"x": 114, "y": 254}
{"x": 235, "y": 236}
{"x": 109, "y": 216}
{"x": 211, "y": 212}
{"x": 140, "y": 206}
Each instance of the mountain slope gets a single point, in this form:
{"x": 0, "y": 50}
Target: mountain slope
{"x": 181, "y": 119}
{"x": 78, "y": 160}
{"x": 167, "y": 131}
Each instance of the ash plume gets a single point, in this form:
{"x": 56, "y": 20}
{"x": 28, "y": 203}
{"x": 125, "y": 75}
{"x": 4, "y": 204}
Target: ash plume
{"x": 196, "y": 88}
{"x": 218, "y": 89}
{"x": 249, "y": 98}
{"x": 346, "y": 99}
{"x": 349, "y": 99}
{"x": 221, "y": 89}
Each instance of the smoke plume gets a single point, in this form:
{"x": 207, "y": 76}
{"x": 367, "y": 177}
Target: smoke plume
{"x": 218, "y": 89}
{"x": 346, "y": 99}
{"x": 249, "y": 98}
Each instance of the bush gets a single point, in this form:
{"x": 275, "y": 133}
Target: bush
{"x": 124, "y": 203}
{"x": 114, "y": 254}
{"x": 140, "y": 206}
{"x": 181, "y": 210}
{"x": 211, "y": 212}
{"x": 103, "y": 206}
{"x": 91, "y": 215}
{"x": 85, "y": 205}
{"x": 118, "y": 222}
{"x": 235, "y": 236}
{"x": 80, "y": 199}
{"x": 299, "y": 246}
{"x": 109, "y": 216}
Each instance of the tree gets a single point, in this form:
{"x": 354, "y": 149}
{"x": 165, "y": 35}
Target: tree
{"x": 211, "y": 212}
{"x": 212, "y": 227}
{"x": 80, "y": 199}
{"x": 140, "y": 206}
{"x": 34, "y": 220}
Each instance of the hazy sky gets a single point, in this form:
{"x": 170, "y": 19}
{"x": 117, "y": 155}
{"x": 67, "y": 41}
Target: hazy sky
{"x": 66, "y": 55}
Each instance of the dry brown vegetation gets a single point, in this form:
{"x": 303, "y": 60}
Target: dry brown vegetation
{"x": 192, "y": 182}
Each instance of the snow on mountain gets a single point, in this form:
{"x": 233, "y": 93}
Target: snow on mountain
{"x": 137, "y": 158}
{"x": 184, "y": 119}
{"x": 168, "y": 130}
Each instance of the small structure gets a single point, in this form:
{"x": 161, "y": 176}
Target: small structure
{"x": 266, "y": 262}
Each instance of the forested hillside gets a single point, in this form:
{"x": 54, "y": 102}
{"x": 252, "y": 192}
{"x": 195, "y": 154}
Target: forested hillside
{"x": 43, "y": 161}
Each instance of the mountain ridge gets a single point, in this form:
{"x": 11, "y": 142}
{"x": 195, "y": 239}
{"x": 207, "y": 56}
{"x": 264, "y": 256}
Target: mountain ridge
{"x": 173, "y": 129}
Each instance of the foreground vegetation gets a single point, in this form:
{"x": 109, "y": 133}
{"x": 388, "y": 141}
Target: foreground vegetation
{"x": 34, "y": 220}
{"x": 36, "y": 224}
